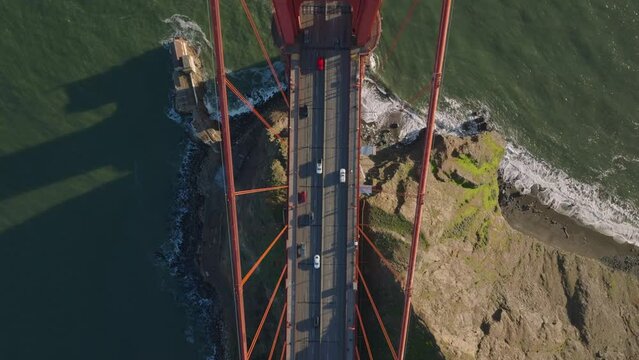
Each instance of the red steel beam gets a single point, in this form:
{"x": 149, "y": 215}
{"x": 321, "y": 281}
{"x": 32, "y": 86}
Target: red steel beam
{"x": 377, "y": 315}
{"x": 361, "y": 326}
{"x": 259, "y": 190}
{"x": 379, "y": 254}
{"x": 251, "y": 107}
{"x": 266, "y": 312}
{"x": 249, "y": 17}
{"x": 277, "y": 334}
{"x": 360, "y": 81}
{"x": 268, "y": 249}
{"x": 430, "y": 127}
{"x": 283, "y": 351}
{"x": 230, "y": 183}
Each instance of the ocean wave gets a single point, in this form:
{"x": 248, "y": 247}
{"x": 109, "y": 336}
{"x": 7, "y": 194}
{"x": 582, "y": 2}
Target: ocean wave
{"x": 379, "y": 108}
{"x": 183, "y": 26}
{"x": 585, "y": 202}
{"x": 256, "y": 84}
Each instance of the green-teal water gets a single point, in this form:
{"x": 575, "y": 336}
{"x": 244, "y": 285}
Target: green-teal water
{"x": 560, "y": 77}
{"x": 88, "y": 159}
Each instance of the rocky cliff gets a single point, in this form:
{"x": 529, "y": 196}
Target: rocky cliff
{"x": 483, "y": 289}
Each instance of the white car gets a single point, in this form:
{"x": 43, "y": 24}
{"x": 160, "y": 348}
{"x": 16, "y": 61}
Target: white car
{"x": 316, "y": 261}
{"x": 318, "y": 168}
{"x": 342, "y": 175}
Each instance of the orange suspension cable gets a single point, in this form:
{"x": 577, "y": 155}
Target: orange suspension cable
{"x": 357, "y": 353}
{"x": 436, "y": 82}
{"x": 254, "y": 191}
{"x": 250, "y": 106}
{"x": 268, "y": 249}
{"x": 384, "y": 260}
{"x": 361, "y": 326}
{"x": 277, "y": 334}
{"x": 247, "y": 11}
{"x": 266, "y": 311}
{"x": 283, "y": 351}
{"x": 379, "y": 318}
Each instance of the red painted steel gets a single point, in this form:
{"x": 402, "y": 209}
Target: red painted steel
{"x": 379, "y": 254}
{"x": 266, "y": 312}
{"x": 430, "y": 127}
{"x": 286, "y": 20}
{"x": 259, "y": 190}
{"x": 364, "y": 16}
{"x": 377, "y": 315}
{"x": 259, "y": 260}
{"x": 230, "y": 183}
{"x": 277, "y": 334}
{"x": 249, "y": 17}
{"x": 283, "y": 351}
{"x": 364, "y": 19}
{"x": 362, "y": 60}
{"x": 251, "y": 107}
{"x": 361, "y": 325}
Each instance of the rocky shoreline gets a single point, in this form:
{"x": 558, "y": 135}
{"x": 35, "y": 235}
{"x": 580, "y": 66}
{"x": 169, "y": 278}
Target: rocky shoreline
{"x": 501, "y": 255}
{"x": 527, "y": 214}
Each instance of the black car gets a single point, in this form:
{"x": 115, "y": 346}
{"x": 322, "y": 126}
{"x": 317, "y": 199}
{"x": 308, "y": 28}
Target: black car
{"x": 304, "y": 111}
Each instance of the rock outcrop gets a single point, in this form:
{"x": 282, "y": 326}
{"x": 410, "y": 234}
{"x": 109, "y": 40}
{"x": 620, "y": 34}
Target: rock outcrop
{"x": 483, "y": 289}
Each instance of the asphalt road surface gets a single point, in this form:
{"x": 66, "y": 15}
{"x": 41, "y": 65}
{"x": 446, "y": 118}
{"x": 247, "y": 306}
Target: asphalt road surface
{"x": 321, "y": 321}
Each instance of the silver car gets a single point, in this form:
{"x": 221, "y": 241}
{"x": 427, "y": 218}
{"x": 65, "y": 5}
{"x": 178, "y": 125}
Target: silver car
{"x": 342, "y": 175}
{"x": 316, "y": 261}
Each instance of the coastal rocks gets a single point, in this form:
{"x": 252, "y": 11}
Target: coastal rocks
{"x": 486, "y": 290}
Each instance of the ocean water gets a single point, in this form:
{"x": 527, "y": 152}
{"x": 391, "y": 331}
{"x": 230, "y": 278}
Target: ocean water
{"x": 559, "y": 79}
{"x": 90, "y": 185}
{"x": 88, "y": 163}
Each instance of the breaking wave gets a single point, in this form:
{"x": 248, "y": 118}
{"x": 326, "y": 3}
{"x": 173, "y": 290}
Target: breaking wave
{"x": 380, "y": 108}
{"x": 256, "y": 84}
{"x": 183, "y": 26}
{"x": 587, "y": 203}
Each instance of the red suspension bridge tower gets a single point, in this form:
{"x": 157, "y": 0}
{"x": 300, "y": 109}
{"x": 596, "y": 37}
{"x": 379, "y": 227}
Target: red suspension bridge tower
{"x": 325, "y": 45}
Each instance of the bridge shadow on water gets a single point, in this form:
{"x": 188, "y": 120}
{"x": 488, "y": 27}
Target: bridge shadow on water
{"x": 81, "y": 281}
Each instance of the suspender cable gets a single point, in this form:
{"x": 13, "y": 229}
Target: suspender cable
{"x": 379, "y": 254}
{"x": 361, "y": 326}
{"x": 247, "y": 11}
{"x": 428, "y": 142}
{"x": 251, "y": 107}
{"x": 268, "y": 249}
{"x": 228, "y": 171}
{"x": 266, "y": 312}
{"x": 277, "y": 334}
{"x": 377, "y": 315}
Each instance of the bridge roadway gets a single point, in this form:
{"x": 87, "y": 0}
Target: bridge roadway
{"x": 320, "y": 315}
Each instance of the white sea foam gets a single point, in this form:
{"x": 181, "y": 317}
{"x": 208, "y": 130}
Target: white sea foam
{"x": 183, "y": 26}
{"x": 584, "y": 202}
{"x": 380, "y": 108}
{"x": 262, "y": 87}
